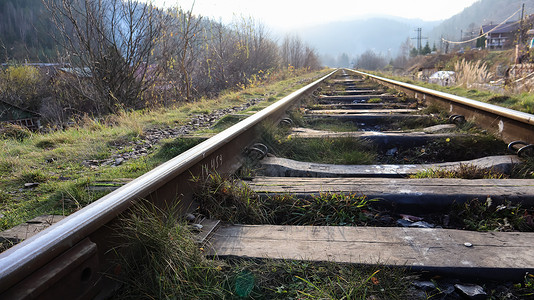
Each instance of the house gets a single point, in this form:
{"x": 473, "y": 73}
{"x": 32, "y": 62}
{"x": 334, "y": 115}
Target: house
{"x": 500, "y": 37}
{"x": 504, "y": 36}
{"x": 15, "y": 115}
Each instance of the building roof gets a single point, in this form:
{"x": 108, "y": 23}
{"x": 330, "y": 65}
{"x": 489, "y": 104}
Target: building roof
{"x": 504, "y": 28}
{"x": 9, "y": 112}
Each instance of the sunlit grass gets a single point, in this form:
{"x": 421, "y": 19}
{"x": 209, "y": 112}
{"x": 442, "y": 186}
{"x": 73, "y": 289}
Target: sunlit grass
{"x": 56, "y": 160}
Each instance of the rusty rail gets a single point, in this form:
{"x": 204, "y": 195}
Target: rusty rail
{"x": 510, "y": 125}
{"x": 68, "y": 260}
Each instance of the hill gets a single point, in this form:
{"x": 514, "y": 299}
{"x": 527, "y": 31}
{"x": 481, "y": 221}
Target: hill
{"x": 478, "y": 14}
{"x": 382, "y": 34}
{"x": 25, "y": 31}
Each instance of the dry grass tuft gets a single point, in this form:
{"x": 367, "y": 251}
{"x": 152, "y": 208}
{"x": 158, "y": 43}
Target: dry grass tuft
{"x": 469, "y": 72}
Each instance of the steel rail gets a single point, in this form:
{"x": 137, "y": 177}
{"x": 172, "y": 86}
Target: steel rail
{"x": 20, "y": 261}
{"x": 509, "y": 124}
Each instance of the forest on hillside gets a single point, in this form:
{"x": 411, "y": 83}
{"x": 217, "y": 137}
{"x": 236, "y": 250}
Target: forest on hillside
{"x": 25, "y": 31}
{"x": 115, "y": 55}
{"x": 480, "y": 13}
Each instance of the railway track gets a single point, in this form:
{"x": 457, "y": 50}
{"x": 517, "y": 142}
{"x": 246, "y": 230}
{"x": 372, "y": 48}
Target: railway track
{"x": 75, "y": 252}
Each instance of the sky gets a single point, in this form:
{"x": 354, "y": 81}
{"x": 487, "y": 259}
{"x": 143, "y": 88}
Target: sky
{"x": 293, "y": 14}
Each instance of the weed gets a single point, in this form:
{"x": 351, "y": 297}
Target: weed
{"x": 434, "y": 109}
{"x": 289, "y": 279}
{"x": 7, "y": 165}
{"x": 175, "y": 147}
{"x": 455, "y": 148}
{"x": 468, "y": 72}
{"x": 325, "y": 209}
{"x": 72, "y": 196}
{"x": 526, "y": 288}
{"x": 230, "y": 200}
{"x": 4, "y": 196}
{"x": 33, "y": 176}
{"x": 161, "y": 260}
{"x": 343, "y": 150}
{"x": 15, "y": 132}
{"x": 486, "y": 216}
{"x": 524, "y": 170}
{"x": 465, "y": 171}
{"x": 233, "y": 201}
{"x": 227, "y": 121}
{"x": 374, "y": 100}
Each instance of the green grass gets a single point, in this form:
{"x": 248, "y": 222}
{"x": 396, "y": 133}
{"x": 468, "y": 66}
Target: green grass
{"x": 321, "y": 150}
{"x": 522, "y": 102}
{"x": 464, "y": 171}
{"x": 233, "y": 201}
{"x": 479, "y": 215}
{"x": 56, "y": 159}
{"x": 160, "y": 260}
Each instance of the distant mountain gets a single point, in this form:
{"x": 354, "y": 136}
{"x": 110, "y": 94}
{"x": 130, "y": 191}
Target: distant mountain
{"x": 480, "y": 13}
{"x": 382, "y": 34}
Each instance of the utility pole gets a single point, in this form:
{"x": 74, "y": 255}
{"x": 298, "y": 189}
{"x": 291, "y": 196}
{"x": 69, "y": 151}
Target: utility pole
{"x": 419, "y": 38}
{"x": 519, "y": 46}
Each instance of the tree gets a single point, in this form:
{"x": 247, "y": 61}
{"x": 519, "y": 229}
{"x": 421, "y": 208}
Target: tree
{"x": 426, "y": 49}
{"x": 180, "y": 49}
{"x": 369, "y": 60}
{"x": 481, "y": 41}
{"x": 111, "y": 43}
{"x": 414, "y": 52}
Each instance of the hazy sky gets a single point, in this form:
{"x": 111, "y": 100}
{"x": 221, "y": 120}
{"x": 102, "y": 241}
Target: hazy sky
{"x": 288, "y": 14}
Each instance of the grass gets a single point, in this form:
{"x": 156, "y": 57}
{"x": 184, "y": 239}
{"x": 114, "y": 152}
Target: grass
{"x": 486, "y": 216}
{"x": 455, "y": 148}
{"x": 160, "y": 260}
{"x": 464, "y": 171}
{"x": 234, "y": 202}
{"x": 321, "y": 150}
{"x": 56, "y": 159}
{"x": 518, "y": 101}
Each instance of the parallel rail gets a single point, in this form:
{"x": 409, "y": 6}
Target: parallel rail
{"x": 68, "y": 260}
{"x": 510, "y": 125}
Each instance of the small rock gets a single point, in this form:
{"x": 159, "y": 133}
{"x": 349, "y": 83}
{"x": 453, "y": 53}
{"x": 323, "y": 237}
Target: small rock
{"x": 404, "y": 223}
{"x": 190, "y": 217}
{"x": 386, "y": 219}
{"x": 119, "y": 161}
{"x": 392, "y": 151}
{"x": 472, "y": 291}
{"x": 425, "y": 285}
{"x": 446, "y": 220}
{"x": 422, "y": 224}
{"x": 419, "y": 224}
{"x": 197, "y": 227}
{"x": 411, "y": 218}
{"x": 468, "y": 244}
{"x": 30, "y": 185}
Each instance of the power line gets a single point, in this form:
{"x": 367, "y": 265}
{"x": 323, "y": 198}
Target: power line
{"x": 490, "y": 31}
{"x": 419, "y": 38}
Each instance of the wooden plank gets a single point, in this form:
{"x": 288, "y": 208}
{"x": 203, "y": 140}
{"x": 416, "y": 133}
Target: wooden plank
{"x": 30, "y": 228}
{"x": 422, "y": 249}
{"x": 283, "y": 167}
{"x": 361, "y": 105}
{"x": 426, "y": 192}
{"x": 361, "y": 111}
{"x": 370, "y": 118}
{"x": 378, "y": 137}
{"x": 355, "y": 97}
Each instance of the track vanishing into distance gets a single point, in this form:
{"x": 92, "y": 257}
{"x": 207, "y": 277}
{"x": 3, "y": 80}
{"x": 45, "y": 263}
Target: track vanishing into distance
{"x": 68, "y": 259}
